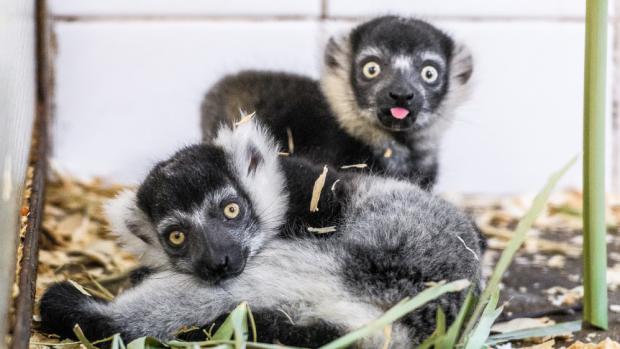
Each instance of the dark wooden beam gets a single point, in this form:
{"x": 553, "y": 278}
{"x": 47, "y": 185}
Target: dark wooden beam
{"x": 39, "y": 161}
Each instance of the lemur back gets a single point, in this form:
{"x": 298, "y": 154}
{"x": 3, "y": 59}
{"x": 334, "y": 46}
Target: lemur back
{"x": 391, "y": 239}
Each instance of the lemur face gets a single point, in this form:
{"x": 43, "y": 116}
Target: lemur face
{"x": 399, "y": 71}
{"x": 204, "y": 221}
{"x": 206, "y": 209}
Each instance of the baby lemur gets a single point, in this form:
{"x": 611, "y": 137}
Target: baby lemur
{"x": 216, "y": 209}
{"x": 387, "y": 92}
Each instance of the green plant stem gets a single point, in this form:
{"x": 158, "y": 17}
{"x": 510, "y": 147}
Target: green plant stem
{"x": 396, "y": 313}
{"x": 519, "y": 236}
{"x": 594, "y": 245}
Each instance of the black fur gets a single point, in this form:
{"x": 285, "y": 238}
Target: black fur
{"x": 273, "y": 326}
{"x": 63, "y": 306}
{"x": 284, "y": 101}
{"x": 300, "y": 176}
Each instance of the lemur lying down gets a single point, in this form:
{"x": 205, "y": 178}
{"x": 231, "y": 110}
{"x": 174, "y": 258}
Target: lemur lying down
{"x": 208, "y": 221}
{"x": 387, "y": 92}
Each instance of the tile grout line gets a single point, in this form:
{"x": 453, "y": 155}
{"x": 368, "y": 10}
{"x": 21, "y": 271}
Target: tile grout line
{"x": 322, "y": 16}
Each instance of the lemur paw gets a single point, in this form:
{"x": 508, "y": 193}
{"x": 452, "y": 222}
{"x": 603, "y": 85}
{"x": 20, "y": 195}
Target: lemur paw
{"x": 57, "y": 305}
{"x": 63, "y": 306}
{"x": 395, "y": 158}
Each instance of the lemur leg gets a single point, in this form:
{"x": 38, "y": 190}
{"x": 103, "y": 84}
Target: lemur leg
{"x": 158, "y": 307}
{"x": 273, "y": 326}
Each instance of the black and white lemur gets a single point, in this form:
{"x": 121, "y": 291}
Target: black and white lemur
{"x": 387, "y": 92}
{"x": 209, "y": 220}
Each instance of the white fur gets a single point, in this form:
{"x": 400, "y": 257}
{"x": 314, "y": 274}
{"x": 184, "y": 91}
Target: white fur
{"x": 434, "y": 57}
{"x": 336, "y": 87}
{"x": 402, "y": 62}
{"x": 368, "y": 52}
{"x": 265, "y": 186}
{"x": 123, "y": 212}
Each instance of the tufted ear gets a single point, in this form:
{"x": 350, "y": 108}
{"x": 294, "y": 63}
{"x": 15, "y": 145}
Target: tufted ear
{"x": 254, "y": 156}
{"x": 461, "y": 64}
{"x": 133, "y": 228}
{"x": 337, "y": 52}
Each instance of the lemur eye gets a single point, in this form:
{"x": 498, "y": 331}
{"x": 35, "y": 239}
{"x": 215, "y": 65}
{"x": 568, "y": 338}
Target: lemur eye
{"x": 231, "y": 211}
{"x": 371, "y": 69}
{"x": 429, "y": 74}
{"x": 176, "y": 238}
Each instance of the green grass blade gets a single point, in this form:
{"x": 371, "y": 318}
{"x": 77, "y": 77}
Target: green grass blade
{"x": 117, "y": 342}
{"x": 553, "y": 330}
{"x": 239, "y": 318}
{"x": 440, "y": 331}
{"x": 146, "y": 343}
{"x": 449, "y": 340}
{"x": 520, "y": 234}
{"x": 397, "y": 312}
{"x": 440, "y": 322}
{"x": 80, "y": 335}
{"x": 226, "y": 329}
{"x": 482, "y": 330}
{"x": 430, "y": 341}
{"x": 230, "y": 343}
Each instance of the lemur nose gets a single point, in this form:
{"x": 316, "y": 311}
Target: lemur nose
{"x": 401, "y": 96}
{"x": 222, "y": 264}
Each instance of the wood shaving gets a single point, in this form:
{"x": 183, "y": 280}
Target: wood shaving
{"x": 245, "y": 118}
{"x": 605, "y": 344}
{"x": 522, "y": 324}
{"x": 387, "y": 153}
{"x": 323, "y": 230}
{"x": 316, "y": 190}
{"x": 333, "y": 188}
{"x": 387, "y": 333}
{"x": 556, "y": 262}
{"x": 79, "y": 288}
{"x": 545, "y": 345}
{"x": 561, "y": 296}
{"x": 354, "y": 166}
{"x": 613, "y": 278}
{"x": 291, "y": 144}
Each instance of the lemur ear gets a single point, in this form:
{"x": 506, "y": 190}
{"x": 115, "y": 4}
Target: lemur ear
{"x": 254, "y": 155}
{"x": 461, "y": 64}
{"x": 130, "y": 223}
{"x": 251, "y": 148}
{"x": 336, "y": 52}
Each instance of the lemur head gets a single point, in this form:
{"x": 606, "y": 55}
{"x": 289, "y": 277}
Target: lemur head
{"x": 394, "y": 74}
{"x": 208, "y": 208}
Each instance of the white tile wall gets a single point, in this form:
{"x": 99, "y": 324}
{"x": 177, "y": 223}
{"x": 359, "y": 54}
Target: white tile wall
{"x": 129, "y": 94}
{"x": 185, "y": 7}
{"x": 461, "y": 8}
{"x": 129, "y": 90}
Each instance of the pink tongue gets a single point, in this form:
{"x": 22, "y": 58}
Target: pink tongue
{"x": 399, "y": 113}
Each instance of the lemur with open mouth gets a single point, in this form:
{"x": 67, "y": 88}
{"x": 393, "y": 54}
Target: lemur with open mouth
{"x": 388, "y": 91}
{"x": 209, "y": 218}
